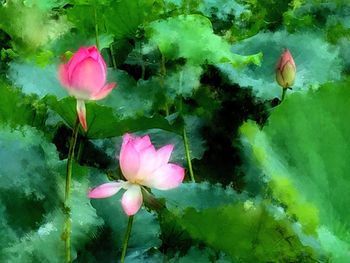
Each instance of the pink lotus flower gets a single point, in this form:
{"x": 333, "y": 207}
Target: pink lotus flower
{"x": 286, "y": 70}
{"x": 84, "y": 76}
{"x": 141, "y": 165}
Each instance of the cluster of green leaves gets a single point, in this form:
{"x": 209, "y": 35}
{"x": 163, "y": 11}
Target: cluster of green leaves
{"x": 271, "y": 182}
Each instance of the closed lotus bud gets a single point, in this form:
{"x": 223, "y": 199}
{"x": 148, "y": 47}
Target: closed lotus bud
{"x": 286, "y": 69}
{"x": 84, "y": 77}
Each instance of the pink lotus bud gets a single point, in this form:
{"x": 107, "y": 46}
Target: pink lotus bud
{"x": 286, "y": 69}
{"x": 84, "y": 76}
{"x": 141, "y": 165}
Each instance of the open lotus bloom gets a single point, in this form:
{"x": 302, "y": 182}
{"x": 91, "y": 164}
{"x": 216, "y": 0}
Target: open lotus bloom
{"x": 285, "y": 70}
{"x": 141, "y": 165}
{"x": 84, "y": 76}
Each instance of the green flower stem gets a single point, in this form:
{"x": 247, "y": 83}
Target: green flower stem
{"x": 67, "y": 208}
{"x": 114, "y": 62}
{"x": 162, "y": 84}
{"x": 188, "y": 156}
{"x": 143, "y": 66}
{"x": 126, "y": 238}
{"x": 96, "y": 26}
{"x": 151, "y": 202}
{"x": 284, "y": 91}
{"x": 80, "y": 150}
{"x": 143, "y": 70}
{"x": 162, "y": 66}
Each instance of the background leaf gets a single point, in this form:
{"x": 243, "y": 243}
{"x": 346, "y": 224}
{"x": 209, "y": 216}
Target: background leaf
{"x": 312, "y": 161}
{"x": 316, "y": 63}
{"x": 176, "y": 38}
{"x": 35, "y": 183}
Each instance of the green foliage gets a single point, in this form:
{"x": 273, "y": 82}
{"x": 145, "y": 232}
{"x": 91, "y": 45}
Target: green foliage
{"x": 221, "y": 9}
{"x": 182, "y": 37}
{"x": 143, "y": 93}
{"x": 244, "y": 229}
{"x": 30, "y": 24}
{"x": 183, "y": 82}
{"x": 293, "y": 148}
{"x": 258, "y": 16}
{"x": 34, "y": 183}
{"x": 109, "y": 24}
{"x": 205, "y": 255}
{"x": 247, "y": 232}
{"x": 311, "y": 13}
{"x": 17, "y": 109}
{"x": 128, "y": 16}
{"x": 34, "y": 79}
{"x": 193, "y": 194}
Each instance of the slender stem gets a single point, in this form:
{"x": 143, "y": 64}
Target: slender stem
{"x": 167, "y": 111}
{"x": 126, "y": 238}
{"x": 151, "y": 202}
{"x": 80, "y": 150}
{"x": 188, "y": 156}
{"x": 284, "y": 91}
{"x": 162, "y": 66}
{"x": 96, "y": 26}
{"x": 163, "y": 73}
{"x": 143, "y": 66}
{"x": 114, "y": 62}
{"x": 143, "y": 70}
{"x": 67, "y": 207}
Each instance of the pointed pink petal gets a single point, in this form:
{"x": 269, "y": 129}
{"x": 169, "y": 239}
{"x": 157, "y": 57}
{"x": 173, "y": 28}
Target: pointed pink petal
{"x": 82, "y": 113}
{"x": 88, "y": 76}
{"x": 126, "y": 138}
{"x": 77, "y": 57}
{"x": 166, "y": 177}
{"x": 129, "y": 159}
{"x": 63, "y": 75}
{"x": 96, "y": 55}
{"x": 285, "y": 57}
{"x": 132, "y": 200}
{"x": 93, "y": 52}
{"x": 163, "y": 154}
{"x": 148, "y": 162}
{"x": 141, "y": 143}
{"x": 105, "y": 190}
{"x": 104, "y": 91}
